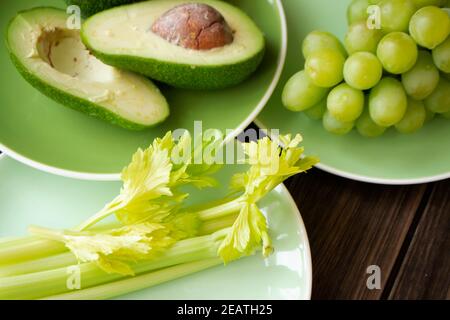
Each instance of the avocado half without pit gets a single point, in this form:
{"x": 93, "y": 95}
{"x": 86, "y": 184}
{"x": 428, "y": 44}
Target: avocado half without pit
{"x": 54, "y": 60}
{"x": 206, "y": 44}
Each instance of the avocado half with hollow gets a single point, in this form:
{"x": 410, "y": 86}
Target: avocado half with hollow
{"x": 203, "y": 45}
{"x": 55, "y": 61}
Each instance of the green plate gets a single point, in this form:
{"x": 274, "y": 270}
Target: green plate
{"x": 391, "y": 159}
{"x": 56, "y": 203}
{"x": 39, "y": 132}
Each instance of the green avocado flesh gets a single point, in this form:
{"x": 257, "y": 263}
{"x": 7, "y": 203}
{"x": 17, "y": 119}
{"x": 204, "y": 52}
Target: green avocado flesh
{"x": 53, "y": 59}
{"x": 90, "y": 7}
{"x": 123, "y": 37}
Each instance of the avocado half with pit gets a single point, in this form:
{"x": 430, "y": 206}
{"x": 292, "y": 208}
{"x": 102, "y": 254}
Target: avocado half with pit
{"x": 54, "y": 60}
{"x": 205, "y": 44}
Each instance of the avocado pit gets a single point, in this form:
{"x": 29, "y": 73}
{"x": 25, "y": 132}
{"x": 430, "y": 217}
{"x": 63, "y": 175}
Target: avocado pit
{"x": 194, "y": 26}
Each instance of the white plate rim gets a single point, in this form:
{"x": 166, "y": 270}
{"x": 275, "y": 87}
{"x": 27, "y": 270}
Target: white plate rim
{"x": 244, "y": 124}
{"x": 369, "y": 179}
{"x": 307, "y": 264}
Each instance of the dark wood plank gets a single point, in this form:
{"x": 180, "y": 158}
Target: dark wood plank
{"x": 425, "y": 271}
{"x": 351, "y": 226}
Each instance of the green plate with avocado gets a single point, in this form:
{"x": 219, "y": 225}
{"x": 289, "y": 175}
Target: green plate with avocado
{"x": 214, "y": 64}
{"x": 393, "y": 158}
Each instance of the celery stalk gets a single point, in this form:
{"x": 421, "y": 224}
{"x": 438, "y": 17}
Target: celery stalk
{"x": 67, "y": 258}
{"x": 215, "y": 225}
{"x": 109, "y": 209}
{"x": 31, "y": 248}
{"x": 38, "y": 265}
{"x": 10, "y": 241}
{"x": 118, "y": 288}
{"x": 220, "y": 211}
{"x": 53, "y": 282}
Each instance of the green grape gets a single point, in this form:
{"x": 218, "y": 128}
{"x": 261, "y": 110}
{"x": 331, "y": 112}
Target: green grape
{"x": 423, "y": 78}
{"x": 300, "y": 93}
{"x": 414, "y": 118}
{"x": 429, "y": 27}
{"x": 387, "y": 102}
{"x": 425, "y": 3}
{"x": 362, "y": 70}
{"x": 321, "y": 40}
{"x": 316, "y": 112}
{"x": 374, "y": 1}
{"x": 357, "y": 11}
{"x": 345, "y": 103}
{"x": 439, "y": 100}
{"x": 367, "y": 128}
{"x": 361, "y": 38}
{"x": 335, "y": 126}
{"x": 441, "y": 56}
{"x": 429, "y": 115}
{"x": 397, "y": 52}
{"x": 395, "y": 15}
{"x": 325, "y": 68}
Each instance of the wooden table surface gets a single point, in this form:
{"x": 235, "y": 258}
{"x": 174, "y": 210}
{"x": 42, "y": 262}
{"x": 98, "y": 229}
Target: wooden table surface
{"x": 405, "y": 230}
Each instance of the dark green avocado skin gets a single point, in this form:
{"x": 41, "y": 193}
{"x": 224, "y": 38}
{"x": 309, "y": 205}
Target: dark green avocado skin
{"x": 90, "y": 7}
{"x": 181, "y": 75}
{"x": 184, "y": 76}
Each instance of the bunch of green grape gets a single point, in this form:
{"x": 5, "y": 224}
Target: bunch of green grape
{"x": 394, "y": 74}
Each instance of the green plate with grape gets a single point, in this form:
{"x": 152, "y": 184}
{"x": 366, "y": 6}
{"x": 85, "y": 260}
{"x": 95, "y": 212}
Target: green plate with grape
{"x": 391, "y": 157}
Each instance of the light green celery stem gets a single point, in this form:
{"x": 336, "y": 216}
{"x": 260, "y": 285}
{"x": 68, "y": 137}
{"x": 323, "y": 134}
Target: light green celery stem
{"x": 108, "y": 210}
{"x": 220, "y": 211}
{"x": 207, "y": 214}
{"x": 51, "y": 262}
{"x": 215, "y": 225}
{"x": 67, "y": 258}
{"x": 19, "y": 250}
{"x": 52, "y": 282}
{"x": 15, "y": 241}
{"x": 118, "y": 288}
{"x": 11, "y": 240}
{"x": 30, "y": 248}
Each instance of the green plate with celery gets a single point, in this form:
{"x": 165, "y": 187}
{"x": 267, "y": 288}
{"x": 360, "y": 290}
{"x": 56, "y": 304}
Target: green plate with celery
{"x": 372, "y": 97}
{"x": 172, "y": 231}
{"x": 131, "y": 79}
